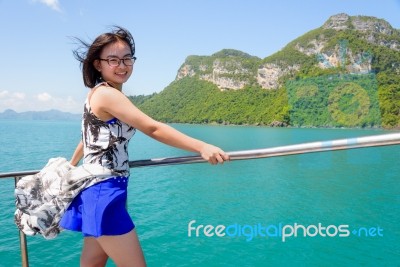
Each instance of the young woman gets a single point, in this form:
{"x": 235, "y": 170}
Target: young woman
{"x": 109, "y": 121}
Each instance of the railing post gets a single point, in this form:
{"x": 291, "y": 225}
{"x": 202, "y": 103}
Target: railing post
{"x": 22, "y": 240}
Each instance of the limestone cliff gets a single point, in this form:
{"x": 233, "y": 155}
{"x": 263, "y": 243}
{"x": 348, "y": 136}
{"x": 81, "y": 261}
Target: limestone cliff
{"x": 228, "y": 69}
{"x": 232, "y": 70}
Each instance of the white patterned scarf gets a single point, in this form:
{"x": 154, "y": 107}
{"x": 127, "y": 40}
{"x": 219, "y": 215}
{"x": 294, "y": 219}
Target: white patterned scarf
{"x": 43, "y": 198}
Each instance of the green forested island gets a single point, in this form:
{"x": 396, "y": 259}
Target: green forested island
{"x": 344, "y": 74}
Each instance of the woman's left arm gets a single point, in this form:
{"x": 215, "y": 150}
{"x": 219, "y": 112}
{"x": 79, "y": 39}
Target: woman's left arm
{"x": 78, "y": 154}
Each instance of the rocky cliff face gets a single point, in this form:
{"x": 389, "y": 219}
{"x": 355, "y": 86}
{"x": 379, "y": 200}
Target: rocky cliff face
{"x": 228, "y": 69}
{"x": 226, "y": 74}
{"x": 363, "y": 24}
{"x": 233, "y": 70}
{"x": 231, "y": 73}
{"x": 268, "y": 74}
{"x": 373, "y": 30}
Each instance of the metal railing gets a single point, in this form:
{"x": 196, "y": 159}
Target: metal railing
{"x": 322, "y": 146}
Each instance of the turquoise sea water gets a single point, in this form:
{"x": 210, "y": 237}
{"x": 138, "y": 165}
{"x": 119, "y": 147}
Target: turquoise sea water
{"x": 254, "y": 201}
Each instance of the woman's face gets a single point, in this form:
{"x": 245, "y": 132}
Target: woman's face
{"x": 107, "y": 65}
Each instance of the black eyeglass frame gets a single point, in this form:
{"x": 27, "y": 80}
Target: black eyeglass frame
{"x": 119, "y": 61}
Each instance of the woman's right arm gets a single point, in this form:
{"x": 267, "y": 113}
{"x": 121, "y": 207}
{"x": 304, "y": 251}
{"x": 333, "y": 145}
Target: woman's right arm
{"x": 78, "y": 154}
{"x": 114, "y": 103}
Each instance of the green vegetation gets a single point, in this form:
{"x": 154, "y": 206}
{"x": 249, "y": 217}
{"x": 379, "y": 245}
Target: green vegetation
{"x": 310, "y": 97}
{"x": 334, "y": 101}
{"x": 191, "y": 100}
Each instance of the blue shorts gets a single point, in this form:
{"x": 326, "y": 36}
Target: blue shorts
{"x": 100, "y": 210}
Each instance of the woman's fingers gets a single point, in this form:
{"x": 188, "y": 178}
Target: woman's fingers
{"x": 214, "y": 155}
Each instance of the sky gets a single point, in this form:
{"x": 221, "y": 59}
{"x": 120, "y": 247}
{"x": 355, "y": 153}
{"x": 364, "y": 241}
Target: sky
{"x": 38, "y": 71}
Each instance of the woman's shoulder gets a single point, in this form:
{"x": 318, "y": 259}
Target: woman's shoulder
{"x": 102, "y": 97}
{"x": 101, "y": 87}
{"x": 104, "y": 91}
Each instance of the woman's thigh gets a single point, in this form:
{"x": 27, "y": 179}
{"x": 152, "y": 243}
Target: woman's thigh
{"x": 124, "y": 250}
{"x": 93, "y": 254}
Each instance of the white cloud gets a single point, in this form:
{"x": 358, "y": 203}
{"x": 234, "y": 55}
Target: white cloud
{"x": 21, "y": 102}
{"x": 4, "y": 94}
{"x": 19, "y": 95}
{"x": 14, "y": 96}
{"x": 11, "y": 100}
{"x": 53, "y": 4}
{"x": 44, "y": 97}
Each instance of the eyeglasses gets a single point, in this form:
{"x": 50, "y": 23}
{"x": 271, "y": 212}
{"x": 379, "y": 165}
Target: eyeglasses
{"x": 115, "y": 62}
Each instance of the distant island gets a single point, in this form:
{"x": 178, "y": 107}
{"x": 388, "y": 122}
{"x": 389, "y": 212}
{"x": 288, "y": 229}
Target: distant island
{"x": 52, "y": 114}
